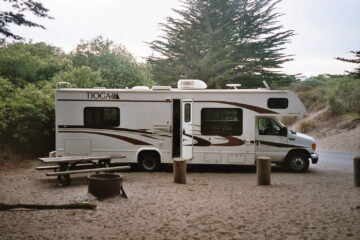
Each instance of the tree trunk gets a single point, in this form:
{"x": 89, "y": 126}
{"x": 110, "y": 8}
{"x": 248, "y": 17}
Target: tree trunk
{"x": 91, "y": 206}
{"x": 263, "y": 170}
{"x": 357, "y": 171}
{"x": 179, "y": 167}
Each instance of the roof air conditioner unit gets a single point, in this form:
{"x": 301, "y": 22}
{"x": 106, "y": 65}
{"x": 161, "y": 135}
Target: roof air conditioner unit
{"x": 191, "y": 84}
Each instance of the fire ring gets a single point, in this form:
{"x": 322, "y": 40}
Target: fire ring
{"x": 105, "y": 185}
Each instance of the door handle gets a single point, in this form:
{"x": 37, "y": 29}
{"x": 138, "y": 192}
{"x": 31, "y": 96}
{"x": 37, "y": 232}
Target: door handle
{"x": 293, "y": 139}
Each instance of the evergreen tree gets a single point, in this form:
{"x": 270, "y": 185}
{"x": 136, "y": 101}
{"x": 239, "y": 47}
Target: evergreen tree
{"x": 17, "y": 16}
{"x": 222, "y": 41}
{"x": 356, "y": 73}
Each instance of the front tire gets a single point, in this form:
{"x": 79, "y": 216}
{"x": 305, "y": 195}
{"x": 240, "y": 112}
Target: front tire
{"x": 298, "y": 162}
{"x": 149, "y": 161}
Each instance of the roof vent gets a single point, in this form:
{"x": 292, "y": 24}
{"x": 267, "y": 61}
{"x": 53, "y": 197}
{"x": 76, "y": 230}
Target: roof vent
{"x": 61, "y": 84}
{"x": 233, "y": 85}
{"x": 191, "y": 84}
{"x": 140, "y": 88}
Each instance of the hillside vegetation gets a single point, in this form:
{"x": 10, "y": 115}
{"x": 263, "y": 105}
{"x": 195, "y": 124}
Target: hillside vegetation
{"x": 333, "y": 111}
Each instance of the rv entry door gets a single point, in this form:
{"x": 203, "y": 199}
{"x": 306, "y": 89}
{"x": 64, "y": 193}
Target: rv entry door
{"x": 187, "y": 134}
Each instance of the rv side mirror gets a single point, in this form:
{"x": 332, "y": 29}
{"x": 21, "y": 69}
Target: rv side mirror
{"x": 284, "y": 131}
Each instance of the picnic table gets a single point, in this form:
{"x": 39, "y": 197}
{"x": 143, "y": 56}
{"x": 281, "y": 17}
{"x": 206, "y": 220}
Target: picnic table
{"x": 75, "y": 164}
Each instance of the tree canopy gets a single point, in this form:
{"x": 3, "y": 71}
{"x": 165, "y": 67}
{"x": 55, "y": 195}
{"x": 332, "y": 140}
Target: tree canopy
{"x": 222, "y": 41}
{"x": 117, "y": 67}
{"x": 17, "y": 16}
{"x": 355, "y": 73}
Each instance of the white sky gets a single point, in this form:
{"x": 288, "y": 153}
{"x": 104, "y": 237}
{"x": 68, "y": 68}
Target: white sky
{"x": 325, "y": 28}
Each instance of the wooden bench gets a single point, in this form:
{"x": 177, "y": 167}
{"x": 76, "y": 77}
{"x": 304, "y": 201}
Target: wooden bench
{"x": 70, "y": 165}
{"x": 106, "y": 169}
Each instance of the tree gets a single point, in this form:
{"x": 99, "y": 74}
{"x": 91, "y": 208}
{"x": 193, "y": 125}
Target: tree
{"x": 24, "y": 63}
{"x": 356, "y": 73}
{"x": 80, "y": 77}
{"x": 222, "y": 41}
{"x": 117, "y": 67}
{"x": 17, "y": 17}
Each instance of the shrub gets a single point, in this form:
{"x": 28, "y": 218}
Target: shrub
{"x": 29, "y": 119}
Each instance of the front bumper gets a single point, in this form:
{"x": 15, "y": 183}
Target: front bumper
{"x": 314, "y": 158}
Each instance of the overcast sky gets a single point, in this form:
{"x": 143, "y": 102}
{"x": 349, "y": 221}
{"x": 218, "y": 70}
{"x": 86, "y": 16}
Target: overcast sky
{"x": 324, "y": 28}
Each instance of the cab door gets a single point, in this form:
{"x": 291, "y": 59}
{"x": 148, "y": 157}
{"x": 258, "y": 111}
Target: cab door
{"x": 187, "y": 133}
{"x": 270, "y": 139}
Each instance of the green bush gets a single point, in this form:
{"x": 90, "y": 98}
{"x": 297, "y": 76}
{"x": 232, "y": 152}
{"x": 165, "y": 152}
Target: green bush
{"x": 29, "y": 118}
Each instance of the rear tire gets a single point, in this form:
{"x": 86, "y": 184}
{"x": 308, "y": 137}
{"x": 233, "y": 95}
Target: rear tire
{"x": 149, "y": 161}
{"x": 298, "y": 162}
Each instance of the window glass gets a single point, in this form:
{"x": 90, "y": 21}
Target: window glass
{"x": 221, "y": 121}
{"x": 278, "y": 103}
{"x": 101, "y": 116}
{"x": 187, "y": 112}
{"x": 268, "y": 126}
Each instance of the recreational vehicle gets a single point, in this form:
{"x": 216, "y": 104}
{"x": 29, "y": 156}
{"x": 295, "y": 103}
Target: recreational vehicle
{"x": 151, "y": 126}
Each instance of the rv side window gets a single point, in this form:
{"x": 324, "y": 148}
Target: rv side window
{"x": 278, "y": 103}
{"x": 221, "y": 121}
{"x": 187, "y": 116}
{"x": 101, "y": 116}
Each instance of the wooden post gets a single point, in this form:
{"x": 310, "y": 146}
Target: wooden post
{"x": 179, "y": 167}
{"x": 357, "y": 171}
{"x": 263, "y": 170}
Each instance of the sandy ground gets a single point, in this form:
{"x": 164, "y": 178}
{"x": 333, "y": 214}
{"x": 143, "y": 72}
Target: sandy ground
{"x": 216, "y": 203}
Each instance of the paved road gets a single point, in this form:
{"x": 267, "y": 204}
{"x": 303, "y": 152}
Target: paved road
{"x": 335, "y": 160}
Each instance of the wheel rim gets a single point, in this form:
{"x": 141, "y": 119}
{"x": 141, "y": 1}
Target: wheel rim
{"x": 297, "y": 163}
{"x": 149, "y": 163}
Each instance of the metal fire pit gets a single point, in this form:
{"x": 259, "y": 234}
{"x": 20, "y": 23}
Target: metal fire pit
{"x": 105, "y": 185}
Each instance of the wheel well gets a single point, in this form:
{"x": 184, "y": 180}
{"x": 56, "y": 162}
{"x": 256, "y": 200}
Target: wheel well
{"x": 294, "y": 151}
{"x": 145, "y": 152}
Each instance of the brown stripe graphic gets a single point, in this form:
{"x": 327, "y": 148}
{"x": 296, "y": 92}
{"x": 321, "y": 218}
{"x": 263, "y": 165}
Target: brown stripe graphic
{"x": 280, "y": 145}
{"x": 126, "y": 139}
{"x": 250, "y": 107}
{"x": 199, "y": 141}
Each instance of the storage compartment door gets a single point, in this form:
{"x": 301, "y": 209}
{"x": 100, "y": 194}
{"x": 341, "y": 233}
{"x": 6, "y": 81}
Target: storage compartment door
{"x": 77, "y": 147}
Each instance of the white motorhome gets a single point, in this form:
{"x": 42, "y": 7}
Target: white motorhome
{"x": 204, "y": 126}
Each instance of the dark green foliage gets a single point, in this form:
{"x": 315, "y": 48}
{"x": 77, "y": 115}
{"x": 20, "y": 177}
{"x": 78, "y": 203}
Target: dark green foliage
{"x": 17, "y": 16}
{"x": 222, "y": 41}
{"x": 81, "y": 77}
{"x": 117, "y": 67}
{"x": 28, "y": 121}
{"x": 356, "y": 73}
{"x": 24, "y": 63}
